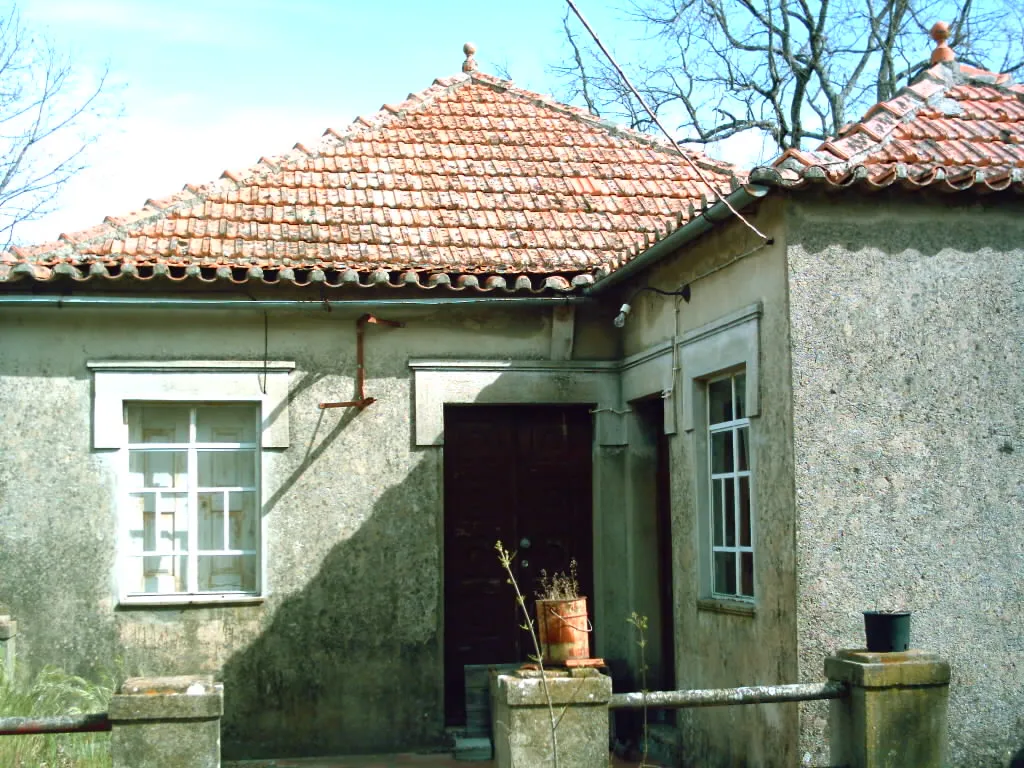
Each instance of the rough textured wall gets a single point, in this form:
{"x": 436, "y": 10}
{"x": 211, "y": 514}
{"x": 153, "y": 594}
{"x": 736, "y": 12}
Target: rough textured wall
{"x": 715, "y": 649}
{"x": 345, "y": 654}
{"x": 908, "y": 370}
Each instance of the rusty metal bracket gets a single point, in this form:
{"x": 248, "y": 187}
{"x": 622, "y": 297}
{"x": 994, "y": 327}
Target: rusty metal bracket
{"x": 363, "y": 400}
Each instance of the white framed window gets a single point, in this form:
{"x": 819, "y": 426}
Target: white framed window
{"x": 729, "y": 487}
{"x": 190, "y": 518}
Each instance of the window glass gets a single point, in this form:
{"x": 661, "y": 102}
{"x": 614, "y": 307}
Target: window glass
{"x": 720, "y": 401}
{"x": 225, "y": 424}
{"x": 725, "y": 573}
{"x": 157, "y": 469}
{"x": 747, "y": 574}
{"x": 730, "y": 531}
{"x": 227, "y": 469}
{"x": 191, "y": 511}
{"x": 158, "y": 424}
{"x": 721, "y": 452}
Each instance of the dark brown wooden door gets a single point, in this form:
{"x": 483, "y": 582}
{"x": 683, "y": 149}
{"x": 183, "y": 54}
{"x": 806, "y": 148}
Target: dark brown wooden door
{"x": 522, "y": 475}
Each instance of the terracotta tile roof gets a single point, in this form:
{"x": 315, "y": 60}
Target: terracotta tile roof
{"x": 955, "y": 128}
{"x": 471, "y": 183}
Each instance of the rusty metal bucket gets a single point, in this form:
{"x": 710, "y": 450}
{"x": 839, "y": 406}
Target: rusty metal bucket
{"x": 563, "y": 630}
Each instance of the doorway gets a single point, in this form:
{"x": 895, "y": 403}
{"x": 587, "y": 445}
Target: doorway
{"x": 520, "y": 474}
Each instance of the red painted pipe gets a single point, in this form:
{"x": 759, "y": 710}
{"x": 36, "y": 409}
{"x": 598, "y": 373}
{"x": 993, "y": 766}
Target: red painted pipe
{"x": 14, "y": 726}
{"x": 361, "y": 324}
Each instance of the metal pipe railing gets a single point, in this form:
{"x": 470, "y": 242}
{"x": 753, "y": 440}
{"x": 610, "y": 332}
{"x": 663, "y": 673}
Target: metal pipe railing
{"x": 14, "y": 726}
{"x": 717, "y": 697}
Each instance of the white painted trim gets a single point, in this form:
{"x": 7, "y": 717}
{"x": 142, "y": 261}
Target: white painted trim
{"x": 453, "y": 382}
{"x": 213, "y": 598}
{"x": 115, "y": 381}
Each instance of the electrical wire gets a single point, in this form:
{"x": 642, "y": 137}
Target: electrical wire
{"x": 626, "y": 81}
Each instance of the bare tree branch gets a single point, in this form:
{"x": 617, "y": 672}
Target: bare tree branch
{"x": 795, "y": 69}
{"x": 44, "y": 124}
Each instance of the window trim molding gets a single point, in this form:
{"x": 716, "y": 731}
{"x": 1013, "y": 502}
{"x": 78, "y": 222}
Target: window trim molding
{"x": 729, "y": 342}
{"x": 115, "y": 381}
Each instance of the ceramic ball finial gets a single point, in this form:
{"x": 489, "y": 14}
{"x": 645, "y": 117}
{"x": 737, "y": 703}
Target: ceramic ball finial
{"x": 469, "y": 65}
{"x": 940, "y": 34}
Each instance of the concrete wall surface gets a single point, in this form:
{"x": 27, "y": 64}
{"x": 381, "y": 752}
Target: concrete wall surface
{"x": 718, "y": 644}
{"x": 908, "y": 376}
{"x": 344, "y": 654}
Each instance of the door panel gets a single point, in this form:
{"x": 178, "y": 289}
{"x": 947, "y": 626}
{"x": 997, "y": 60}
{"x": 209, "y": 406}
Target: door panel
{"x": 521, "y": 474}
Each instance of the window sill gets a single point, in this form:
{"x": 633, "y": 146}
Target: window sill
{"x": 732, "y": 607}
{"x": 165, "y": 601}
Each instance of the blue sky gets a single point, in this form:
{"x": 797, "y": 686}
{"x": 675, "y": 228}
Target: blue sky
{"x": 215, "y": 84}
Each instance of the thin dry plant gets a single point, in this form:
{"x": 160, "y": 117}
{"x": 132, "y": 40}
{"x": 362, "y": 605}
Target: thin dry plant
{"x": 560, "y": 585}
{"x": 505, "y": 558}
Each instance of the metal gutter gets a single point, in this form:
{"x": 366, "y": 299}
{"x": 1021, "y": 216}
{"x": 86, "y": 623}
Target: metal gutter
{"x": 144, "y": 302}
{"x": 739, "y": 199}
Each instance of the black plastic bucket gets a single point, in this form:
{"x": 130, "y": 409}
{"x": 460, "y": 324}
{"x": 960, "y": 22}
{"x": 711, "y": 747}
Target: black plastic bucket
{"x": 887, "y": 631}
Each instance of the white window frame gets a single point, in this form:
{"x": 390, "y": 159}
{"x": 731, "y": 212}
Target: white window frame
{"x": 116, "y": 382}
{"x": 737, "y": 549}
{"x": 192, "y": 552}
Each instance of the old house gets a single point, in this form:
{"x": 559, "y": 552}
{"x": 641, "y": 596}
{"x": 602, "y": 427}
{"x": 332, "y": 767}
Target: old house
{"x": 271, "y": 427}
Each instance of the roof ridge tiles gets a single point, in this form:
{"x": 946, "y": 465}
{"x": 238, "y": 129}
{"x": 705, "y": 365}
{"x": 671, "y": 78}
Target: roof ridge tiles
{"x": 256, "y": 217}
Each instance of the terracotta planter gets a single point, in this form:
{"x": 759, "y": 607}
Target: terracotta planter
{"x": 563, "y": 630}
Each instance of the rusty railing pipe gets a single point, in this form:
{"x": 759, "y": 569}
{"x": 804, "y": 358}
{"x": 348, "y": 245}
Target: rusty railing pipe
{"x": 718, "y": 697}
{"x": 15, "y": 726}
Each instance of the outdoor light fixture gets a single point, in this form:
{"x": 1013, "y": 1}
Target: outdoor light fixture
{"x": 625, "y": 309}
{"x": 620, "y": 319}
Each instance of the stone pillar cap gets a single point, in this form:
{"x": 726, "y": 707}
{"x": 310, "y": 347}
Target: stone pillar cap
{"x": 189, "y": 685}
{"x": 887, "y": 670}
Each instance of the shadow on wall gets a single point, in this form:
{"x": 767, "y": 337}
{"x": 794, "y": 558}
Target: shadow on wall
{"x": 351, "y": 662}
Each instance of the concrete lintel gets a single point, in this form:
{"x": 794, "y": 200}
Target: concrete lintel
{"x": 441, "y": 382}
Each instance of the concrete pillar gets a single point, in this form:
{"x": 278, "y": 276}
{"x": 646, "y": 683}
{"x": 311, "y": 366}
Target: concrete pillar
{"x": 8, "y": 633}
{"x": 895, "y": 713}
{"x": 522, "y": 723}
{"x": 167, "y": 722}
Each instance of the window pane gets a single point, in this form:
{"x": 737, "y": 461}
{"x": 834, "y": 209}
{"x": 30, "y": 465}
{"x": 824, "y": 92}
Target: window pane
{"x": 157, "y": 469}
{"x": 744, "y": 511}
{"x": 243, "y": 520}
{"x": 163, "y": 575}
{"x": 720, "y": 401}
{"x": 158, "y": 423}
{"x": 142, "y": 513}
{"x": 725, "y": 573}
{"x": 730, "y": 512}
{"x": 740, "y": 387}
{"x": 747, "y": 573}
{"x": 224, "y": 469}
{"x": 226, "y": 424}
{"x": 211, "y": 520}
{"x": 716, "y": 510}
{"x": 744, "y": 449}
{"x": 231, "y": 573}
{"x": 721, "y": 452}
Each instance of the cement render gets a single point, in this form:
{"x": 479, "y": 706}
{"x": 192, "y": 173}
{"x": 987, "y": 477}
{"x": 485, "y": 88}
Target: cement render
{"x": 344, "y": 655}
{"x": 908, "y": 405}
{"x": 715, "y": 649}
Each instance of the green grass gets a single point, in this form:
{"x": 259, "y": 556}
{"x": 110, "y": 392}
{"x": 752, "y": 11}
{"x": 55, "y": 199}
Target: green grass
{"x": 54, "y": 692}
